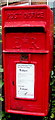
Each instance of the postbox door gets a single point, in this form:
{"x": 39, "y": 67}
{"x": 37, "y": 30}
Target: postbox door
{"x": 26, "y": 82}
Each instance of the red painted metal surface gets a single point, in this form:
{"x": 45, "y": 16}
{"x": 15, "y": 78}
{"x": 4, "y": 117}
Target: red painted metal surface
{"x": 27, "y": 40}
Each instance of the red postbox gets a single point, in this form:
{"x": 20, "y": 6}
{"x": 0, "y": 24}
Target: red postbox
{"x": 27, "y": 34}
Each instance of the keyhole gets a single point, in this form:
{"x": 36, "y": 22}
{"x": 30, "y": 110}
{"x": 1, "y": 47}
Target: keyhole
{"x": 24, "y": 57}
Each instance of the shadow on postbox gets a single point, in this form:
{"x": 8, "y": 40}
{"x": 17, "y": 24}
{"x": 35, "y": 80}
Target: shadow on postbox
{"x": 27, "y": 34}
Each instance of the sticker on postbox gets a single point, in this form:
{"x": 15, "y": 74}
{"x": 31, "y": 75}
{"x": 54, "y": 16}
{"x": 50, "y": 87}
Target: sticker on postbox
{"x": 25, "y": 81}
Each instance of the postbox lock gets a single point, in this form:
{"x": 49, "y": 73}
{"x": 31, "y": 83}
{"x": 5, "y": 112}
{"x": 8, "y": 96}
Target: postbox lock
{"x": 23, "y": 57}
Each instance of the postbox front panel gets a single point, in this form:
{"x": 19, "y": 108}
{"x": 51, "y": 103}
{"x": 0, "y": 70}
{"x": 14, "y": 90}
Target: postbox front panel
{"x": 25, "y": 39}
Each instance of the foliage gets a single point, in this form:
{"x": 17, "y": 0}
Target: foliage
{"x": 52, "y": 84}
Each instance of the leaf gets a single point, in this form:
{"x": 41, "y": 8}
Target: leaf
{"x": 0, "y": 66}
{"x": 53, "y": 101}
{"x": 0, "y": 115}
{"x": 1, "y": 99}
{"x": 9, "y": 116}
{"x": 52, "y": 83}
{"x": 3, "y": 114}
{"x": 54, "y": 77}
{"x": 53, "y": 109}
{"x": 1, "y": 69}
{"x": 53, "y": 95}
{"x": 1, "y": 83}
{"x": 53, "y": 89}
{"x": 53, "y": 104}
{"x": 4, "y": 119}
{"x": 52, "y": 116}
{"x": 0, "y": 41}
{"x": 45, "y": 118}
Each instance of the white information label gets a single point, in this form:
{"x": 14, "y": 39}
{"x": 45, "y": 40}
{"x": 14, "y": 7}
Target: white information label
{"x": 25, "y": 80}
